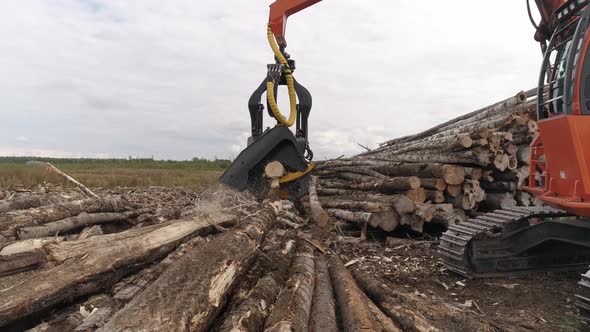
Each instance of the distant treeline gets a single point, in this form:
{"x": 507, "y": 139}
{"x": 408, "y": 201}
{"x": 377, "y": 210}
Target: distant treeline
{"x": 91, "y": 163}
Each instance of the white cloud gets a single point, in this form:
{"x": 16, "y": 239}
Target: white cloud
{"x": 21, "y": 139}
{"x": 172, "y": 78}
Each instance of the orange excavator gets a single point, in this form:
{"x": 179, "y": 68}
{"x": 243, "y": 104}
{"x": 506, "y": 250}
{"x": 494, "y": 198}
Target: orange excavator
{"x": 502, "y": 242}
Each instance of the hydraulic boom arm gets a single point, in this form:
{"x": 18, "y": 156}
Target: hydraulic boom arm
{"x": 280, "y": 10}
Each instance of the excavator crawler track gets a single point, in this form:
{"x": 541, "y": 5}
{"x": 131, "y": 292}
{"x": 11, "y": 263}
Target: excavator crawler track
{"x": 481, "y": 247}
{"x": 455, "y": 246}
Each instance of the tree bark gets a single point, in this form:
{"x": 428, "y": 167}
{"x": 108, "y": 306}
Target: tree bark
{"x": 292, "y": 310}
{"x": 100, "y": 265}
{"x": 354, "y": 311}
{"x": 21, "y": 262}
{"x": 204, "y": 286}
{"x": 251, "y": 313}
{"x": 79, "y": 221}
{"x": 12, "y": 220}
{"x": 323, "y": 308}
{"x": 394, "y": 307}
{"x": 319, "y": 216}
{"x": 416, "y": 195}
{"x": 433, "y": 184}
{"x": 21, "y": 203}
{"x": 434, "y": 196}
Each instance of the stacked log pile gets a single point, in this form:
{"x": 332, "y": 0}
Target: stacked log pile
{"x": 477, "y": 162}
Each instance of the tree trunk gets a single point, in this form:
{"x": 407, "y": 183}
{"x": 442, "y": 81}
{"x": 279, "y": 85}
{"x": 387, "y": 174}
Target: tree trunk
{"x": 394, "y": 307}
{"x": 79, "y": 221}
{"x": 292, "y": 310}
{"x": 251, "y": 313}
{"x": 454, "y": 190}
{"x": 323, "y": 308}
{"x": 450, "y": 173}
{"x": 21, "y": 262}
{"x": 416, "y": 195}
{"x": 354, "y": 311}
{"x": 21, "y": 203}
{"x": 355, "y": 206}
{"x": 319, "y": 216}
{"x": 12, "y": 220}
{"x": 204, "y": 286}
{"x": 403, "y": 204}
{"x": 433, "y": 184}
{"x": 100, "y": 265}
{"x": 434, "y": 196}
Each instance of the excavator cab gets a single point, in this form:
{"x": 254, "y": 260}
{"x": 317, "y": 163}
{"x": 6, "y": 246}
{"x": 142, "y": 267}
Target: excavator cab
{"x": 560, "y": 155}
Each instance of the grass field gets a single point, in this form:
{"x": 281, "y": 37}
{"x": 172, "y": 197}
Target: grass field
{"x": 109, "y": 173}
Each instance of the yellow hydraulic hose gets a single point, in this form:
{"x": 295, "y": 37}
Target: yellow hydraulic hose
{"x": 270, "y": 86}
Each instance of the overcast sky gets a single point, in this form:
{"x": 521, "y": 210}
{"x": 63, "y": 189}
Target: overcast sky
{"x": 171, "y": 79}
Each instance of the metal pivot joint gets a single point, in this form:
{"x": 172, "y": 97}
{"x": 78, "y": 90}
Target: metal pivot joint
{"x": 276, "y": 73}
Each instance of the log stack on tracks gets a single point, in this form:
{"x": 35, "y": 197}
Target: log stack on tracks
{"x": 475, "y": 163}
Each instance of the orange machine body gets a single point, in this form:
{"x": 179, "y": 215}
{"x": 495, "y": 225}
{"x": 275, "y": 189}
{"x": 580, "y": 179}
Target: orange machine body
{"x": 280, "y": 10}
{"x": 561, "y": 154}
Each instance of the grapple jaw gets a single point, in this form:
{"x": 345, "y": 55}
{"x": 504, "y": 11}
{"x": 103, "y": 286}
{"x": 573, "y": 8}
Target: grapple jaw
{"x": 276, "y": 144}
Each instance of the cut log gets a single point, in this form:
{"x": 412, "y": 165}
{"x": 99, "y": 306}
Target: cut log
{"x": 386, "y": 323}
{"x": 205, "y": 286}
{"x": 433, "y": 184}
{"x": 414, "y": 222}
{"x": 103, "y": 306}
{"x": 500, "y": 201}
{"x": 434, "y": 196}
{"x": 12, "y": 220}
{"x": 416, "y": 195}
{"x": 403, "y": 204}
{"x": 21, "y": 203}
{"x": 462, "y": 202}
{"x": 97, "y": 267}
{"x": 501, "y": 162}
{"x": 323, "y": 308}
{"x": 476, "y": 116}
{"x": 356, "y": 217}
{"x": 454, "y": 190}
{"x": 425, "y": 211}
{"x": 446, "y": 218}
{"x": 292, "y": 310}
{"x": 354, "y": 311}
{"x": 355, "y": 205}
{"x": 21, "y": 262}
{"x": 389, "y": 185}
{"x": 450, "y": 173}
{"x": 79, "y": 221}
{"x": 319, "y": 216}
{"x": 393, "y": 306}
{"x": 389, "y": 220}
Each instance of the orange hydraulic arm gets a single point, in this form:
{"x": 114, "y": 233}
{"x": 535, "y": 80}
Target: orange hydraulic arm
{"x": 547, "y": 9}
{"x": 280, "y": 10}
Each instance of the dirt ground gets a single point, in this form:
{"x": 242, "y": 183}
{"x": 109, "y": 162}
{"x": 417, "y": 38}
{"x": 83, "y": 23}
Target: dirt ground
{"x": 536, "y": 302}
